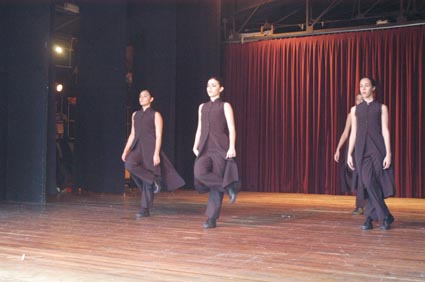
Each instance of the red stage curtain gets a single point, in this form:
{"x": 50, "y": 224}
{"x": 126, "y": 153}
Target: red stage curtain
{"x": 291, "y": 98}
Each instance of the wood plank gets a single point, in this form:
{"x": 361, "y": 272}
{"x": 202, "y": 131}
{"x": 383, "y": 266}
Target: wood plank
{"x": 263, "y": 237}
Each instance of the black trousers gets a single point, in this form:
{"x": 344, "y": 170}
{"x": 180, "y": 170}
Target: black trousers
{"x": 147, "y": 192}
{"x": 360, "y": 198}
{"x": 134, "y": 164}
{"x": 209, "y": 170}
{"x": 215, "y": 200}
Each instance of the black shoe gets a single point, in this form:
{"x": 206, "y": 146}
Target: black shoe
{"x": 357, "y": 211}
{"x": 367, "y": 225}
{"x": 233, "y": 192}
{"x": 210, "y": 223}
{"x": 387, "y": 222}
{"x": 156, "y": 185}
{"x": 142, "y": 213}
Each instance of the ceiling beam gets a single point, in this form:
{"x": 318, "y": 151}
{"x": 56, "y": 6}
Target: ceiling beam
{"x": 249, "y": 18}
{"x": 65, "y": 24}
{"x": 307, "y": 15}
{"x": 327, "y": 31}
{"x": 264, "y": 2}
{"x": 363, "y": 14}
{"x": 285, "y": 17}
{"x": 329, "y": 8}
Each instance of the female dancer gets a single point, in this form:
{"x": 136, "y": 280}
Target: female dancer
{"x": 349, "y": 177}
{"x": 215, "y": 169}
{"x": 148, "y": 165}
{"x": 370, "y": 137}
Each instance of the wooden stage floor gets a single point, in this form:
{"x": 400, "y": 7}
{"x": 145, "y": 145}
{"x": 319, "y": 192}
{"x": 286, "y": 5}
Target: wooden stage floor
{"x": 263, "y": 237}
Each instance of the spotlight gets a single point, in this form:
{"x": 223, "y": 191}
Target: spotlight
{"x": 59, "y": 87}
{"x": 58, "y": 49}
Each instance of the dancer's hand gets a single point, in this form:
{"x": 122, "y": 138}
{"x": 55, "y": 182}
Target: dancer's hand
{"x": 336, "y": 156}
{"x": 196, "y": 152}
{"x": 387, "y": 161}
{"x": 156, "y": 160}
{"x": 231, "y": 153}
{"x": 124, "y": 156}
{"x": 350, "y": 162}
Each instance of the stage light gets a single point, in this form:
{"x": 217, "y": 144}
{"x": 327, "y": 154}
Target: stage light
{"x": 58, "y": 49}
{"x": 59, "y": 87}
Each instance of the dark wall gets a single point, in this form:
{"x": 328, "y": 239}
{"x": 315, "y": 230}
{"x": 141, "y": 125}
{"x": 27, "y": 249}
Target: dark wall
{"x": 177, "y": 47}
{"x": 101, "y": 97}
{"x": 26, "y": 69}
{"x": 198, "y": 58}
{"x": 151, "y": 31}
{"x": 3, "y": 99}
{"x": 176, "y": 50}
{"x": 3, "y": 133}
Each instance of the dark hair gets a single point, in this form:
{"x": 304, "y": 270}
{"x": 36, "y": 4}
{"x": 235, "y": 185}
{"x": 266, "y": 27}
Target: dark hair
{"x": 218, "y": 78}
{"x": 372, "y": 81}
{"x": 146, "y": 90}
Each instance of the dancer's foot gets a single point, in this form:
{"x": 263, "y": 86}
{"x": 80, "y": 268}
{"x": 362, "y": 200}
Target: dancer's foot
{"x": 156, "y": 185}
{"x": 367, "y": 225}
{"x": 387, "y": 222}
{"x": 142, "y": 213}
{"x": 210, "y": 223}
{"x": 357, "y": 211}
{"x": 233, "y": 192}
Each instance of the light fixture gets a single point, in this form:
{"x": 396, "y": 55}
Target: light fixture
{"x": 59, "y": 87}
{"x": 384, "y": 21}
{"x": 58, "y": 49}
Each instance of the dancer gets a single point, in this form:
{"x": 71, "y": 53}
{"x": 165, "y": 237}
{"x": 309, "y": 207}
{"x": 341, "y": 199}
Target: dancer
{"x": 349, "y": 177}
{"x": 370, "y": 140}
{"x": 148, "y": 165}
{"x": 215, "y": 169}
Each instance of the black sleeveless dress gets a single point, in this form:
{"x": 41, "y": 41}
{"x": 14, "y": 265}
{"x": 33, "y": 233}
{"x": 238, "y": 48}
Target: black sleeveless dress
{"x": 139, "y": 161}
{"x": 369, "y": 133}
{"x": 214, "y": 142}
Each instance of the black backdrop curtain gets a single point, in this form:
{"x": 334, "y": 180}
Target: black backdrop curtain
{"x": 291, "y": 98}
